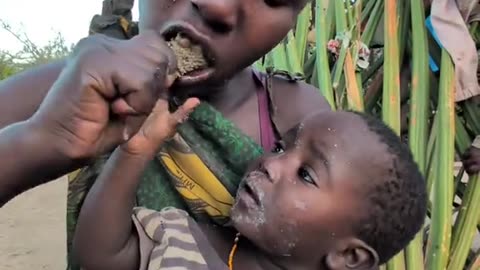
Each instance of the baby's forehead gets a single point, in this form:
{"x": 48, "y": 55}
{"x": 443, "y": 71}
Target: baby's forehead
{"x": 347, "y": 132}
{"x": 317, "y": 127}
{"x": 338, "y": 123}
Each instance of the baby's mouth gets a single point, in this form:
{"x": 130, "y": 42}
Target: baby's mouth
{"x": 191, "y": 56}
{"x": 250, "y": 185}
{"x": 251, "y": 193}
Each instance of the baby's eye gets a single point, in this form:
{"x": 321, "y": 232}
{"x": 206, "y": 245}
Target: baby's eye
{"x": 278, "y": 148}
{"x": 305, "y": 175}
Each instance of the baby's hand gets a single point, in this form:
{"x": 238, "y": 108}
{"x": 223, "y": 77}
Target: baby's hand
{"x": 158, "y": 127}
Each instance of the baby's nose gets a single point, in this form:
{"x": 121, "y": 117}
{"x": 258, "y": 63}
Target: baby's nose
{"x": 273, "y": 168}
{"x": 220, "y": 15}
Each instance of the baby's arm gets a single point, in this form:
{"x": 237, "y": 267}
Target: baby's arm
{"x": 105, "y": 237}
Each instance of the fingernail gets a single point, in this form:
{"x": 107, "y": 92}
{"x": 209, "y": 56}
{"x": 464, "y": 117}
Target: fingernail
{"x": 131, "y": 110}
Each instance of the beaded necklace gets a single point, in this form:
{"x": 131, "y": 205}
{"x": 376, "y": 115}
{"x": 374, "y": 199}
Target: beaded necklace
{"x": 232, "y": 251}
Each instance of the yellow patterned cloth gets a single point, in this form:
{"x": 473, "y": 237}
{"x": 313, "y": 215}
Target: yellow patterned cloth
{"x": 199, "y": 170}
{"x": 194, "y": 181}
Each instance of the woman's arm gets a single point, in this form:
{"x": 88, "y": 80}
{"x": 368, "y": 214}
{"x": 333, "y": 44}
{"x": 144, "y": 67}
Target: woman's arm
{"x": 21, "y": 95}
{"x": 80, "y": 116}
{"x": 27, "y": 160}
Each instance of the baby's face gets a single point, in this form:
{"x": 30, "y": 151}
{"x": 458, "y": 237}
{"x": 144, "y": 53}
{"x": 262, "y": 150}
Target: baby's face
{"x": 307, "y": 194}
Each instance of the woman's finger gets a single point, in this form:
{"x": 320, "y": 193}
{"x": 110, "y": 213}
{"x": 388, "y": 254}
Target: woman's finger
{"x": 120, "y": 107}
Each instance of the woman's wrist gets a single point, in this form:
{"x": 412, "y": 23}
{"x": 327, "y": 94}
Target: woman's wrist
{"x": 29, "y": 158}
{"x": 48, "y": 148}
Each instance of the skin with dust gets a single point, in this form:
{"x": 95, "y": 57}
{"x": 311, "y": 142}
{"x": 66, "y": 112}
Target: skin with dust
{"x": 309, "y": 192}
{"x": 258, "y": 217}
{"x": 300, "y": 205}
{"x": 299, "y": 130}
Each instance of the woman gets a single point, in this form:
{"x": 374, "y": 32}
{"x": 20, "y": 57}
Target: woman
{"x": 233, "y": 34}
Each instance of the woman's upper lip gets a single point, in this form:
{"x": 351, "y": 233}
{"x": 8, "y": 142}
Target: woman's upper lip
{"x": 193, "y": 34}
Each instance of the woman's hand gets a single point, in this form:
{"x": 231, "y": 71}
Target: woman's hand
{"x": 104, "y": 81}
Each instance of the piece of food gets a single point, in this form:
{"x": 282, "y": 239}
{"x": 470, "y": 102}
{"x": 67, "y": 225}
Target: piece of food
{"x": 189, "y": 55}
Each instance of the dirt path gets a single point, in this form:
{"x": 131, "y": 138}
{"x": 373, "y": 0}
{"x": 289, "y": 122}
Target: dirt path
{"x": 32, "y": 229}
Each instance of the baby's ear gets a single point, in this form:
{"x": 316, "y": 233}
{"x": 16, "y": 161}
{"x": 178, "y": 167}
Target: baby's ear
{"x": 354, "y": 255}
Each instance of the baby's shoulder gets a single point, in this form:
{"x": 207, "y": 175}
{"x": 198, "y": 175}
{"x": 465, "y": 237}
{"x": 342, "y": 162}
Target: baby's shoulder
{"x": 169, "y": 238}
{"x": 169, "y": 213}
{"x": 162, "y": 225}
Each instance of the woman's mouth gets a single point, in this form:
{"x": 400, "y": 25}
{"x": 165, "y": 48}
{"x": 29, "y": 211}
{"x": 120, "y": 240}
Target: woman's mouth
{"x": 195, "y": 60}
{"x": 190, "y": 57}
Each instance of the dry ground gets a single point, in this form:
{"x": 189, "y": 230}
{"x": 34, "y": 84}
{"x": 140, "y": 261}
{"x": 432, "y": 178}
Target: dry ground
{"x": 32, "y": 229}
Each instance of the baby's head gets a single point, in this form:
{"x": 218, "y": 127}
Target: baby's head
{"x": 232, "y": 33}
{"x": 340, "y": 192}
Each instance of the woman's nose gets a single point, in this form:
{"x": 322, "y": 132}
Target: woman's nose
{"x": 220, "y": 15}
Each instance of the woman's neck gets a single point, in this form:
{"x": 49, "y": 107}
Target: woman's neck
{"x": 235, "y": 93}
{"x": 228, "y": 96}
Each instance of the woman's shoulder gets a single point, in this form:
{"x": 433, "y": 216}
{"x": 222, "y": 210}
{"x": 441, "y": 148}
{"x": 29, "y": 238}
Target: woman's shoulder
{"x": 294, "y": 101}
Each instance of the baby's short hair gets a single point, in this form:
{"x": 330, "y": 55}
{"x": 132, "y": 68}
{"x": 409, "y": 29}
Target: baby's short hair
{"x": 397, "y": 204}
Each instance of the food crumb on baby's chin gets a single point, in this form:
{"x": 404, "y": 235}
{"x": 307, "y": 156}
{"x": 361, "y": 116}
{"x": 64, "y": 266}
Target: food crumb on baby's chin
{"x": 300, "y": 205}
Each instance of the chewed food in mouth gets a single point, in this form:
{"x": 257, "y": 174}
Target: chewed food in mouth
{"x": 189, "y": 55}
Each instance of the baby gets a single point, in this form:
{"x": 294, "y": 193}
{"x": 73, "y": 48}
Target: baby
{"x": 351, "y": 197}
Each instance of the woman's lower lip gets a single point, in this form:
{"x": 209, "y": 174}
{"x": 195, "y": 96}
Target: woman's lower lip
{"x": 195, "y": 77}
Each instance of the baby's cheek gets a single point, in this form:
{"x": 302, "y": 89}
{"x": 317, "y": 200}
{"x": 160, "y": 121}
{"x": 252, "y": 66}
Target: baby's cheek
{"x": 289, "y": 216}
{"x": 287, "y": 238}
